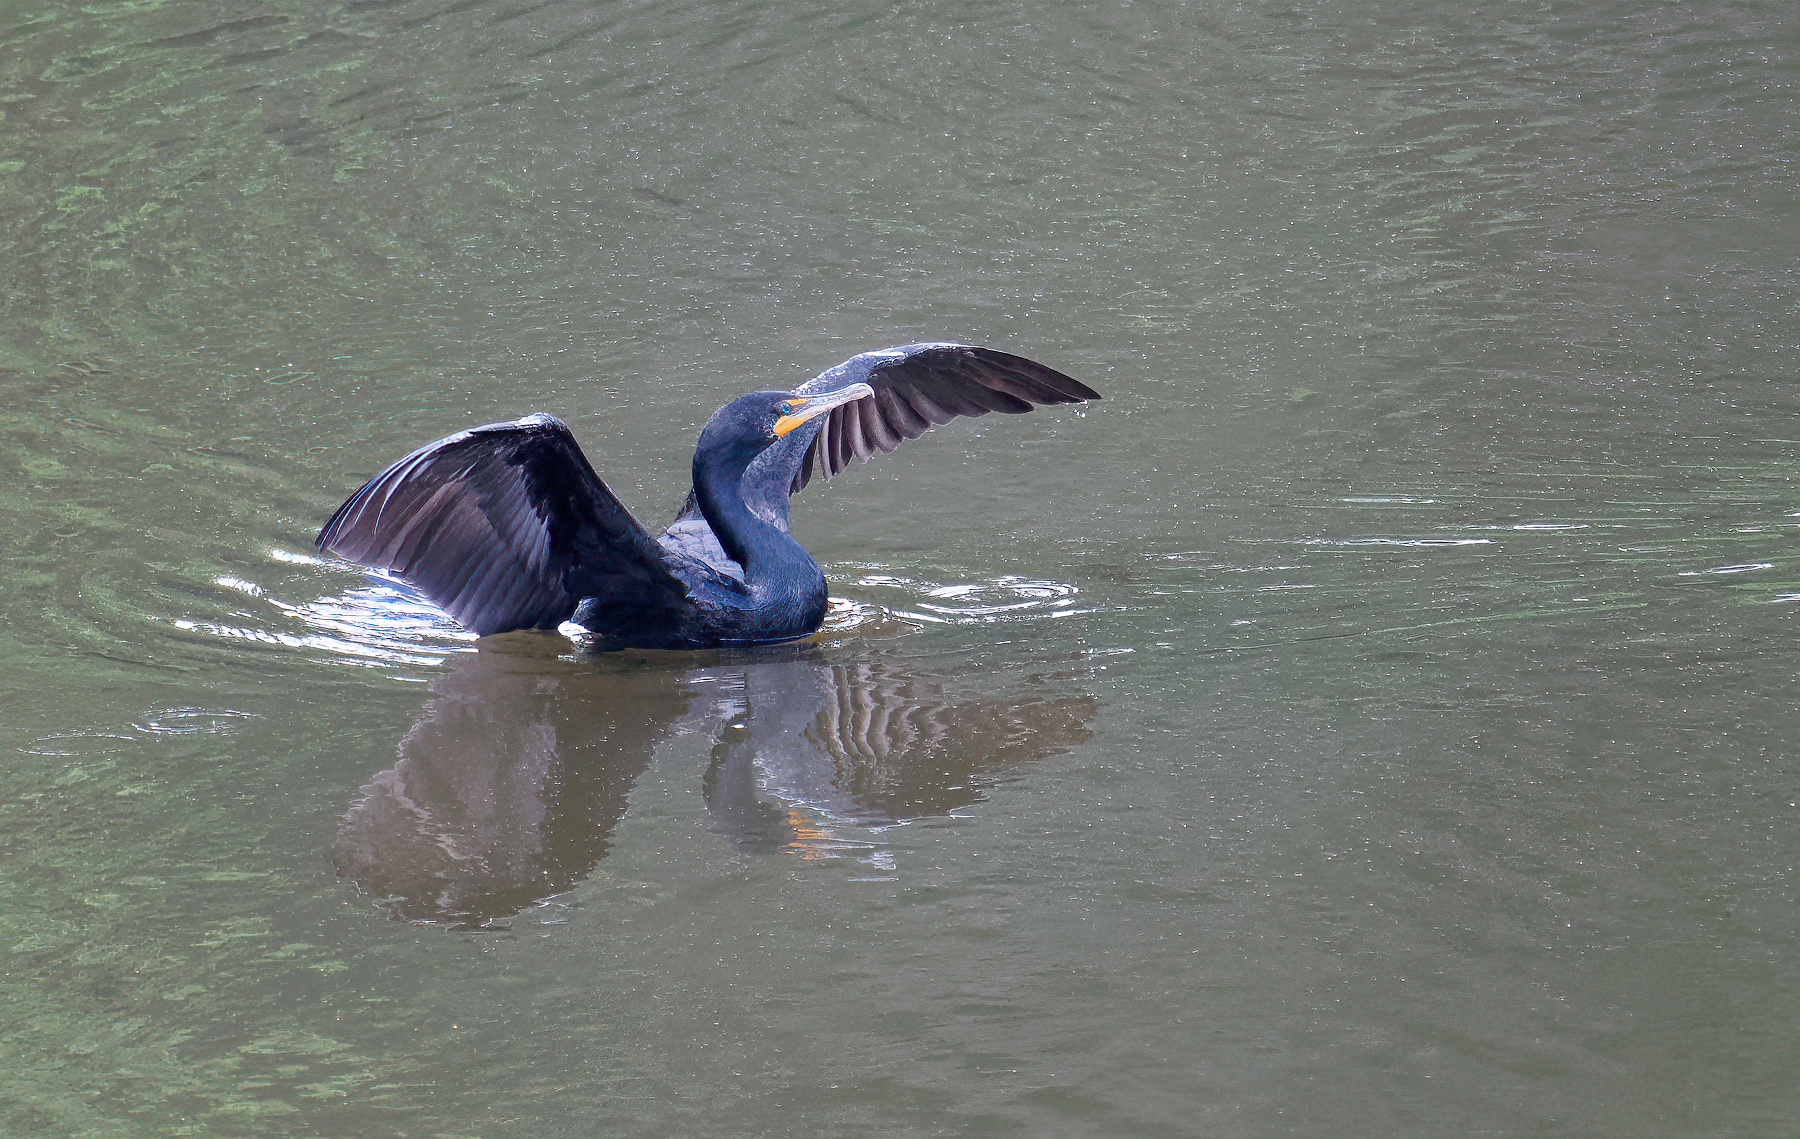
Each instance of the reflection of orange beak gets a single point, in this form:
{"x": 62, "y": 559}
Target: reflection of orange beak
{"x": 809, "y": 839}
{"x": 809, "y": 408}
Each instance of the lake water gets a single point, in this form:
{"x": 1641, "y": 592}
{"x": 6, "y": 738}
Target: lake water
{"x": 1375, "y": 717}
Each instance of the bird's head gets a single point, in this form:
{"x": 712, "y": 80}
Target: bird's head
{"x": 748, "y": 424}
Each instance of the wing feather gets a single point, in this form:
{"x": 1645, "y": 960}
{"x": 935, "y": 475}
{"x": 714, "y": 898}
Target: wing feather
{"x": 896, "y": 408}
{"x": 878, "y": 429}
{"x": 507, "y": 527}
{"x": 917, "y": 387}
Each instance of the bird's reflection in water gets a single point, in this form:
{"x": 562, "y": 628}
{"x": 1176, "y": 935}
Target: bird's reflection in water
{"x": 508, "y": 789}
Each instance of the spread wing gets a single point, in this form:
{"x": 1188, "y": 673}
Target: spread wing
{"x": 507, "y": 527}
{"x": 918, "y": 387}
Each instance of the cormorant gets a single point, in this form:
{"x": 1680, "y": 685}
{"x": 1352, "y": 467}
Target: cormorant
{"x": 506, "y": 526}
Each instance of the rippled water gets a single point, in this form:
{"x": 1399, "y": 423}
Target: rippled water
{"x": 1374, "y": 717}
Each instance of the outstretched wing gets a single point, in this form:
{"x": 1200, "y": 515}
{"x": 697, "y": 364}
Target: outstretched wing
{"x": 507, "y": 527}
{"x": 917, "y": 387}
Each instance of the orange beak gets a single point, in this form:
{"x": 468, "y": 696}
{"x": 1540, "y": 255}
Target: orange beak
{"x": 811, "y": 407}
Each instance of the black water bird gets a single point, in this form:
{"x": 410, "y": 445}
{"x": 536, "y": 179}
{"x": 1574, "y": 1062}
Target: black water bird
{"x": 507, "y": 526}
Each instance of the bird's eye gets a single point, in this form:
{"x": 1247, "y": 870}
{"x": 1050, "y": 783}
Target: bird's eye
{"x": 788, "y": 406}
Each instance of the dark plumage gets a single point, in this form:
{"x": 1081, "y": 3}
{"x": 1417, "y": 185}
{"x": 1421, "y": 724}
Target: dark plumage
{"x": 508, "y": 527}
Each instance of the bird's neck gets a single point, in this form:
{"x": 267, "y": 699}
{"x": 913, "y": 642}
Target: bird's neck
{"x": 773, "y": 562}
